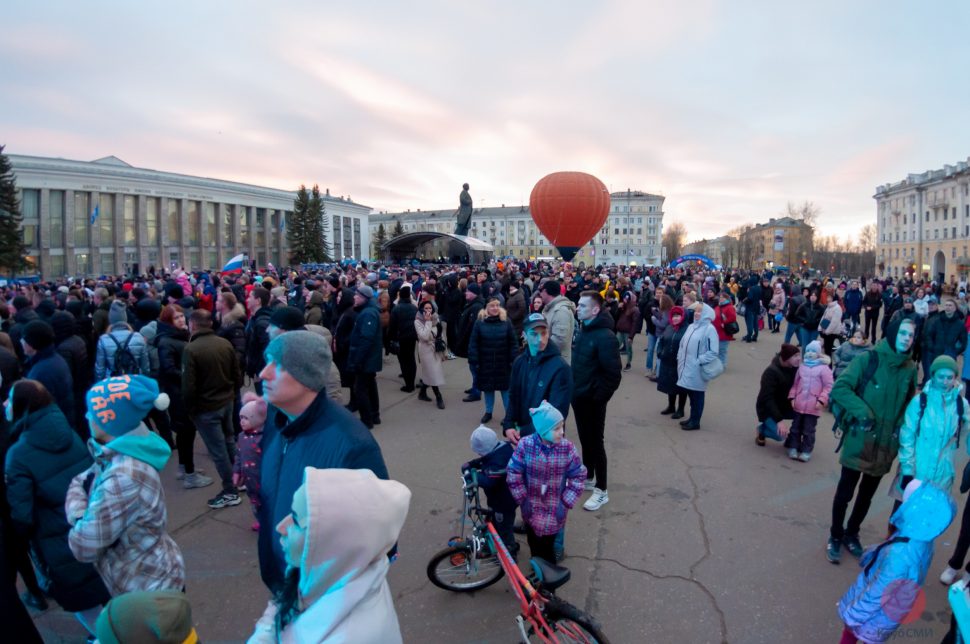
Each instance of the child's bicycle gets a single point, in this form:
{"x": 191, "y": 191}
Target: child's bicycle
{"x": 480, "y": 559}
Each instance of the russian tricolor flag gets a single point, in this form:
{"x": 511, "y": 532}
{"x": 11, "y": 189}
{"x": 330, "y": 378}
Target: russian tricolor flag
{"x": 234, "y": 265}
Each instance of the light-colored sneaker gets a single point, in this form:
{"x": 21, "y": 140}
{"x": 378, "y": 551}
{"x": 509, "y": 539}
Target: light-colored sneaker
{"x": 804, "y": 457}
{"x": 180, "y": 476}
{"x": 588, "y": 486}
{"x": 793, "y": 453}
{"x": 195, "y": 479}
{"x": 597, "y": 500}
{"x": 949, "y": 576}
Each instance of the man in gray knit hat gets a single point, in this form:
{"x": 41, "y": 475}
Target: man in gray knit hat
{"x": 303, "y": 428}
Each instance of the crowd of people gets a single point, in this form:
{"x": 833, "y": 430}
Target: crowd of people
{"x": 276, "y": 371}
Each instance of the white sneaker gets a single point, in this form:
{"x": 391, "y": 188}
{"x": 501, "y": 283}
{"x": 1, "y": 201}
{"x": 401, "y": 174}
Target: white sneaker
{"x": 804, "y": 457}
{"x": 597, "y": 500}
{"x": 588, "y": 486}
{"x": 196, "y": 479}
{"x": 793, "y": 453}
{"x": 181, "y": 473}
{"x": 949, "y": 576}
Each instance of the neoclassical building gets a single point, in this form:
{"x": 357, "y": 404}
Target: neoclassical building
{"x": 631, "y": 234}
{"x": 105, "y": 217}
{"x": 923, "y": 224}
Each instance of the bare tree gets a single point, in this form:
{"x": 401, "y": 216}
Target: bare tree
{"x": 673, "y": 240}
{"x": 867, "y": 238}
{"x": 807, "y": 213}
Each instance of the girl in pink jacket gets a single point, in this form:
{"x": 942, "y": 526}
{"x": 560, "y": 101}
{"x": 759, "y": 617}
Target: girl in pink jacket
{"x": 809, "y": 395}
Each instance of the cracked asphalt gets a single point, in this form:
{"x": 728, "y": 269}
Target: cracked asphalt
{"x": 707, "y": 537}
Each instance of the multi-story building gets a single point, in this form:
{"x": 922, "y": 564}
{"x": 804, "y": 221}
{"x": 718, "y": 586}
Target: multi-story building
{"x": 631, "y": 234}
{"x": 923, "y": 224}
{"x": 780, "y": 242}
{"x": 105, "y": 217}
{"x": 714, "y": 249}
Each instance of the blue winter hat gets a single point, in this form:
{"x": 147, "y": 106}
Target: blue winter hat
{"x": 545, "y": 417}
{"x": 118, "y": 405}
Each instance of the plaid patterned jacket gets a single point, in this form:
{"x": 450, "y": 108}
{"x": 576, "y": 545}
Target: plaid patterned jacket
{"x": 546, "y": 481}
{"x": 120, "y": 526}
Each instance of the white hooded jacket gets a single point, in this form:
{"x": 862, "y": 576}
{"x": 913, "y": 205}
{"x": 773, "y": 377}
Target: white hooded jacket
{"x": 698, "y": 347}
{"x": 354, "y": 520}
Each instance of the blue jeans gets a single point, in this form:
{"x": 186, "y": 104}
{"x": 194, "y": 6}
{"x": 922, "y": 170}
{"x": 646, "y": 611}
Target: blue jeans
{"x": 791, "y": 330}
{"x": 560, "y": 544}
{"x": 651, "y": 350}
{"x": 805, "y": 336}
{"x": 751, "y": 322}
{"x": 696, "y": 405}
{"x": 474, "y": 391}
{"x": 722, "y": 349}
{"x": 490, "y": 400}
{"x": 769, "y": 429}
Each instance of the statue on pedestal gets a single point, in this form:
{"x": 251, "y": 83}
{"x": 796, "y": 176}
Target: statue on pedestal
{"x": 464, "y": 212}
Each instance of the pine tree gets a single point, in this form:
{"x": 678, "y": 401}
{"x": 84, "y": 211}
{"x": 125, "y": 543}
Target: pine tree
{"x": 12, "y": 249}
{"x": 318, "y": 215}
{"x": 297, "y": 233}
{"x": 379, "y": 238}
{"x": 398, "y": 229}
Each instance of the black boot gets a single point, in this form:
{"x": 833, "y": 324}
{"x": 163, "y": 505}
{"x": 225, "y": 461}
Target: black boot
{"x": 668, "y": 410}
{"x": 438, "y": 398}
{"x": 424, "y": 394}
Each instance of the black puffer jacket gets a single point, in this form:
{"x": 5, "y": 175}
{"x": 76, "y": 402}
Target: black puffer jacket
{"x": 491, "y": 350}
{"x": 346, "y": 318}
{"x": 776, "y": 383}
{"x": 466, "y": 323}
{"x": 597, "y": 369}
{"x": 257, "y": 337}
{"x": 171, "y": 343}
{"x": 47, "y": 455}
{"x": 75, "y": 353}
{"x": 809, "y": 315}
{"x": 545, "y": 376}
{"x": 402, "y": 321}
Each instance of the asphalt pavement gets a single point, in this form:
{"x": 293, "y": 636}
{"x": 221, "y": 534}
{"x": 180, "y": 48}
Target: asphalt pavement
{"x": 706, "y": 538}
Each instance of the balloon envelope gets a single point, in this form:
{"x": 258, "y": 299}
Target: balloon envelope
{"x": 569, "y": 208}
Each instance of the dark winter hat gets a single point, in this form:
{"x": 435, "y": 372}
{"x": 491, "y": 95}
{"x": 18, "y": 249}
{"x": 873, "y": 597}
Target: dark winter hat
{"x": 162, "y": 616}
{"x": 38, "y": 334}
{"x": 366, "y": 291}
{"x": 787, "y": 351}
{"x": 21, "y": 302}
{"x": 304, "y": 355}
{"x": 474, "y": 288}
{"x": 943, "y": 362}
{"x": 288, "y": 318}
{"x": 64, "y": 325}
{"x": 46, "y": 308}
{"x": 117, "y": 313}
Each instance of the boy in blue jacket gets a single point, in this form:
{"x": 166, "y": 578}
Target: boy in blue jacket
{"x": 493, "y": 459}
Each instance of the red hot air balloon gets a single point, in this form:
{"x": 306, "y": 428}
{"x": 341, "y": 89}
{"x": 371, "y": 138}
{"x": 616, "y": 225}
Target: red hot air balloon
{"x": 569, "y": 208}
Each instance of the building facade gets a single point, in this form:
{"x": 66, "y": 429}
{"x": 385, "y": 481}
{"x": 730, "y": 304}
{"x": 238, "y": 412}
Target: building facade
{"x": 631, "y": 234}
{"x": 83, "y": 218}
{"x": 780, "y": 242}
{"x": 923, "y": 224}
{"x": 714, "y": 249}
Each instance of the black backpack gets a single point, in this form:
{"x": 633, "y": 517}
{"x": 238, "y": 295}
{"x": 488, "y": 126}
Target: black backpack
{"x": 125, "y": 363}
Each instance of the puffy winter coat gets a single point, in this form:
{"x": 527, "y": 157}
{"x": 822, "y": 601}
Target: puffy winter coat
{"x": 324, "y": 436}
{"x": 699, "y": 347}
{"x": 871, "y": 434}
{"x": 401, "y": 325}
{"x": 853, "y": 302}
{"x": 813, "y": 384}
{"x": 49, "y": 368}
{"x": 927, "y": 445}
{"x": 833, "y": 313}
{"x": 257, "y": 338}
{"x": 491, "y": 350}
{"x": 724, "y": 315}
{"x": 545, "y": 376}
{"x": 105, "y": 357}
{"x": 517, "y": 310}
{"x": 668, "y": 345}
{"x": 365, "y": 340}
{"x": 561, "y": 315}
{"x": 597, "y": 368}
{"x": 629, "y": 320}
{"x": 466, "y": 323}
{"x": 545, "y": 480}
{"x": 776, "y": 383}
{"x": 845, "y": 354}
{"x": 39, "y": 469}
{"x": 809, "y": 315}
{"x": 944, "y": 335}
{"x": 170, "y": 342}
{"x": 896, "y": 569}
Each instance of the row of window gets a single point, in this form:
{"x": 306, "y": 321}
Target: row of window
{"x": 926, "y": 252}
{"x": 94, "y": 221}
{"x": 636, "y": 209}
{"x": 936, "y": 215}
{"x": 931, "y": 197}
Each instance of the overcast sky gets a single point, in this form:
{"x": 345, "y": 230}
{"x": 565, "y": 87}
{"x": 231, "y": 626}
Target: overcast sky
{"x": 730, "y": 109}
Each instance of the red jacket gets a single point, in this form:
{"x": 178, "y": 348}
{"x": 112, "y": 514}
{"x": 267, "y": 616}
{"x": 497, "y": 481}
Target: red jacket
{"x": 723, "y": 315}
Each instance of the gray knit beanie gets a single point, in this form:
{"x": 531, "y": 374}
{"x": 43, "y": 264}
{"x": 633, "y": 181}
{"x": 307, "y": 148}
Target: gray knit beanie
{"x": 483, "y": 440}
{"x": 117, "y": 313}
{"x": 304, "y": 355}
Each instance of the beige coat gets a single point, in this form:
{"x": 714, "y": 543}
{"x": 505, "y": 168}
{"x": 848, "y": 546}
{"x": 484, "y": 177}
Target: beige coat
{"x": 430, "y": 370}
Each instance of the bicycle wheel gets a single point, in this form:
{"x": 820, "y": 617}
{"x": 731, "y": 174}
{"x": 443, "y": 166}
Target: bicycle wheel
{"x": 571, "y": 625}
{"x": 454, "y": 570}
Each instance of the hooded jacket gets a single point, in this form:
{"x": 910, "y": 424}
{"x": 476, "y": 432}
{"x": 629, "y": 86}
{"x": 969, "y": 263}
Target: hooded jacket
{"x": 545, "y": 376}
{"x": 257, "y": 339}
{"x": 120, "y": 524}
{"x": 491, "y": 350}
{"x": 546, "y": 480}
{"x": 894, "y": 572}
{"x": 353, "y": 520}
{"x": 561, "y": 315}
{"x": 597, "y": 368}
{"x": 845, "y": 354}
{"x": 50, "y": 369}
{"x": 776, "y": 383}
{"x": 39, "y": 469}
{"x": 833, "y": 313}
{"x": 928, "y": 456}
{"x": 698, "y": 347}
{"x": 324, "y": 436}
{"x": 943, "y": 335}
{"x": 466, "y": 323}
{"x": 365, "y": 339}
{"x": 871, "y": 437}
{"x": 813, "y": 384}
